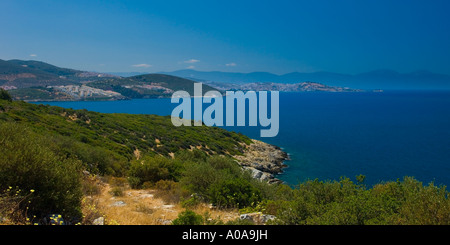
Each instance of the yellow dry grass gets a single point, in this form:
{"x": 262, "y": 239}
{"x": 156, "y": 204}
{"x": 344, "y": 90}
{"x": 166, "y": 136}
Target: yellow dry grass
{"x": 141, "y": 207}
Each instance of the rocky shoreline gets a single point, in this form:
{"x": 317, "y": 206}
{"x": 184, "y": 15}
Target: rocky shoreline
{"x": 263, "y": 160}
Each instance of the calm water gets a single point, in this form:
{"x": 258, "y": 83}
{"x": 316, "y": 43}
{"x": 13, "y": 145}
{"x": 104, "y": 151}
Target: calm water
{"x": 384, "y": 136}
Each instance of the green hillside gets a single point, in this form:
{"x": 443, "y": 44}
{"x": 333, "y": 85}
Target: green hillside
{"x": 121, "y": 134}
{"x": 44, "y": 149}
{"x": 45, "y": 152}
{"x": 30, "y": 79}
{"x": 42, "y": 67}
{"x": 23, "y": 74}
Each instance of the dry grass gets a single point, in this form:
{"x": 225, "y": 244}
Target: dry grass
{"x": 141, "y": 207}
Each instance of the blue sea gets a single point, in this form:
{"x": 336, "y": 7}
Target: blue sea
{"x": 384, "y": 136}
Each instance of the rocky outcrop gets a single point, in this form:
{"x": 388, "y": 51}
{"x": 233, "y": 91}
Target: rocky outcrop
{"x": 258, "y": 218}
{"x": 263, "y": 160}
{"x": 99, "y": 221}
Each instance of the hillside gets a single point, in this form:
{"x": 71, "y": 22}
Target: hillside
{"x": 122, "y": 135}
{"x": 17, "y": 75}
{"x": 148, "y": 86}
{"x": 39, "y": 66}
{"x": 37, "y": 81}
{"x": 63, "y": 166}
{"x": 56, "y": 153}
{"x": 31, "y": 73}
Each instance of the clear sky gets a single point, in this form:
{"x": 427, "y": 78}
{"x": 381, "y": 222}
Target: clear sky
{"x": 240, "y": 36}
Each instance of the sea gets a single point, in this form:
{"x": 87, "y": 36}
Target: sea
{"x": 330, "y": 135}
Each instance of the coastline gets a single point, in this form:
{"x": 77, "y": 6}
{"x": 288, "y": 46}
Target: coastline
{"x": 264, "y": 160}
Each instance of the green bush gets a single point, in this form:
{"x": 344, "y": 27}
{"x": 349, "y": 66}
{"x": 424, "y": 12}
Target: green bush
{"x": 4, "y": 95}
{"x": 198, "y": 177}
{"x": 233, "y": 193}
{"x": 153, "y": 169}
{"x": 188, "y": 217}
{"x": 191, "y": 202}
{"x": 191, "y": 156}
{"x": 135, "y": 182}
{"x": 26, "y": 163}
{"x": 221, "y": 181}
{"x": 117, "y": 191}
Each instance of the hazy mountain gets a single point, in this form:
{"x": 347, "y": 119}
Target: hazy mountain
{"x": 378, "y": 79}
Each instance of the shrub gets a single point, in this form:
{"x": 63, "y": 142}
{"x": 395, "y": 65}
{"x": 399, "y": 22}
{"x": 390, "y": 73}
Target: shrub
{"x": 343, "y": 202}
{"x": 234, "y": 193}
{"x": 118, "y": 181}
{"x": 193, "y": 156}
{"x": 90, "y": 186}
{"x": 117, "y": 191}
{"x": 219, "y": 162}
{"x": 188, "y": 217}
{"x": 4, "y": 95}
{"x": 191, "y": 202}
{"x": 134, "y": 182}
{"x": 170, "y": 191}
{"x": 153, "y": 169}
{"x": 27, "y": 163}
{"x": 198, "y": 177}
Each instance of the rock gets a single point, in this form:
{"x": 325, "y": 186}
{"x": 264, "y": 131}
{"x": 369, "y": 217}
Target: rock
{"x": 258, "y": 174}
{"x": 246, "y": 217}
{"x": 266, "y": 217}
{"x": 146, "y": 196}
{"x": 99, "y": 221}
{"x": 263, "y": 160}
{"x": 257, "y": 218}
{"x": 164, "y": 221}
{"x": 119, "y": 204}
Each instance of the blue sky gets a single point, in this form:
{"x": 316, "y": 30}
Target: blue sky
{"x": 240, "y": 36}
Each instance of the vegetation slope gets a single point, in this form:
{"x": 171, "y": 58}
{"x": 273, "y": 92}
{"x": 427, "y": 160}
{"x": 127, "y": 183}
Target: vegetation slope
{"x": 46, "y": 153}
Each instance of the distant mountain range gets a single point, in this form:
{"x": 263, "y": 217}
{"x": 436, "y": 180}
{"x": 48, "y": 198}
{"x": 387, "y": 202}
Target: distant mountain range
{"x": 35, "y": 80}
{"x": 379, "y": 79}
